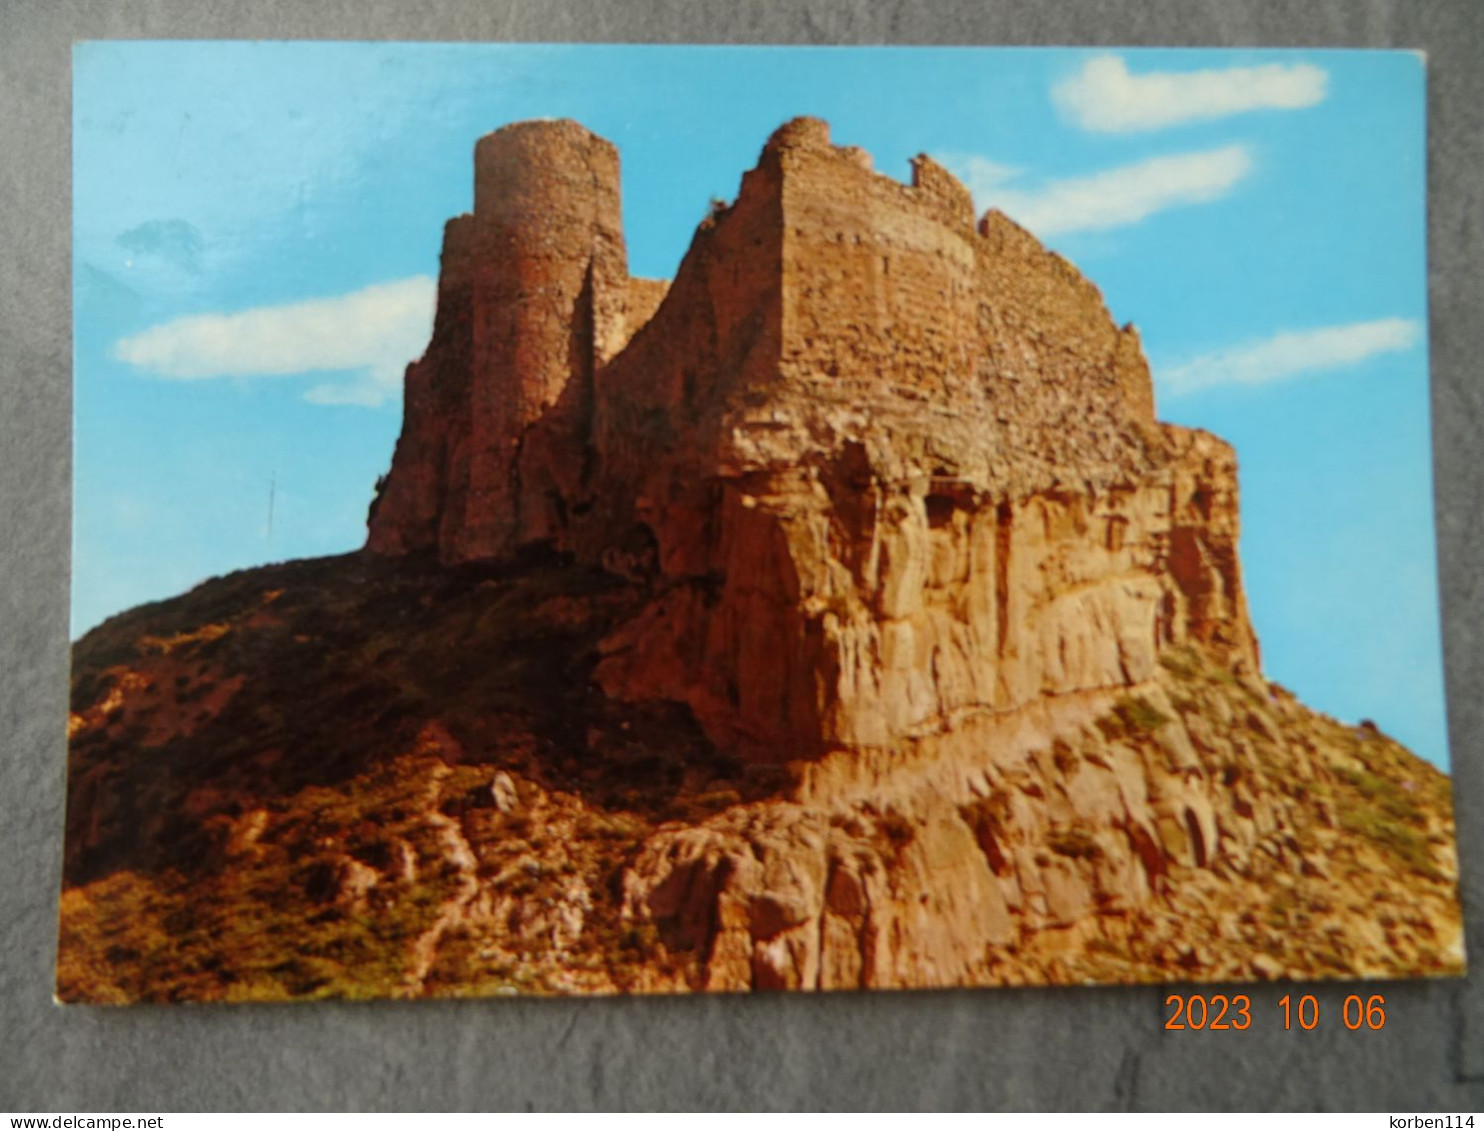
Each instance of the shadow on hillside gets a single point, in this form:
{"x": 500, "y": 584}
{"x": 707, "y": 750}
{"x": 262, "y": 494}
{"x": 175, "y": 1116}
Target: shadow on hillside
{"x": 346, "y": 663}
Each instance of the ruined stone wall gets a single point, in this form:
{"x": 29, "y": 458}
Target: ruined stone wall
{"x": 880, "y": 294}
{"x": 664, "y": 406}
{"x": 963, "y": 346}
{"x": 1059, "y": 365}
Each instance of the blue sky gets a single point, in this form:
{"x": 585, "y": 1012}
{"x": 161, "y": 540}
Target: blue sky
{"x": 256, "y": 231}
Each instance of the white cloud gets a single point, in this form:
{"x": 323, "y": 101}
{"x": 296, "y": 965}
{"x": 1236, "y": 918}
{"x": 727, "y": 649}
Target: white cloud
{"x": 371, "y": 334}
{"x": 1292, "y": 353}
{"x": 980, "y": 175}
{"x": 1104, "y": 97}
{"x": 1112, "y": 198}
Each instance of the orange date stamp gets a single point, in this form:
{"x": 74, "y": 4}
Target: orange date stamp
{"x": 1234, "y": 1012}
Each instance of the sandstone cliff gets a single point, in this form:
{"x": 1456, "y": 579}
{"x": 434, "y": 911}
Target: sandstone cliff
{"x": 838, "y": 615}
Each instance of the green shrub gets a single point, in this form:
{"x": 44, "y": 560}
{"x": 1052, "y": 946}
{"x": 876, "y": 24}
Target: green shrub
{"x": 1132, "y": 716}
{"x": 1385, "y": 794}
{"x": 1405, "y": 844}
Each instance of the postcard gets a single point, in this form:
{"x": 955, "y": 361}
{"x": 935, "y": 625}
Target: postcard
{"x": 628, "y": 519}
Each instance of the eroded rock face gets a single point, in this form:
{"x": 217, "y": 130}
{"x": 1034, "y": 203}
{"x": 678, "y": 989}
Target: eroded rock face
{"x": 354, "y": 777}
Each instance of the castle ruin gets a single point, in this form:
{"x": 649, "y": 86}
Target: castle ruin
{"x": 889, "y": 472}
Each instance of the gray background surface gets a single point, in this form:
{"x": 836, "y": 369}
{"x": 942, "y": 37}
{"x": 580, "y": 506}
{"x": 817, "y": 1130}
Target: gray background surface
{"x": 1081, "y": 1048}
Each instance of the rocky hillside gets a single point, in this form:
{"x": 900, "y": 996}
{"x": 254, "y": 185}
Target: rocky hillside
{"x": 353, "y": 778}
{"x": 838, "y": 614}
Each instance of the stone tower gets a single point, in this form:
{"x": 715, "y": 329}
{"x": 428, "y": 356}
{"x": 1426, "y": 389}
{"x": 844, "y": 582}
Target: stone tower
{"x": 530, "y": 301}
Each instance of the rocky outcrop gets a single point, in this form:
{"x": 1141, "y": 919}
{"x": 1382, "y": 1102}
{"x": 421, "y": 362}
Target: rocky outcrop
{"x": 1204, "y": 828}
{"x": 353, "y": 777}
{"x": 837, "y": 615}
